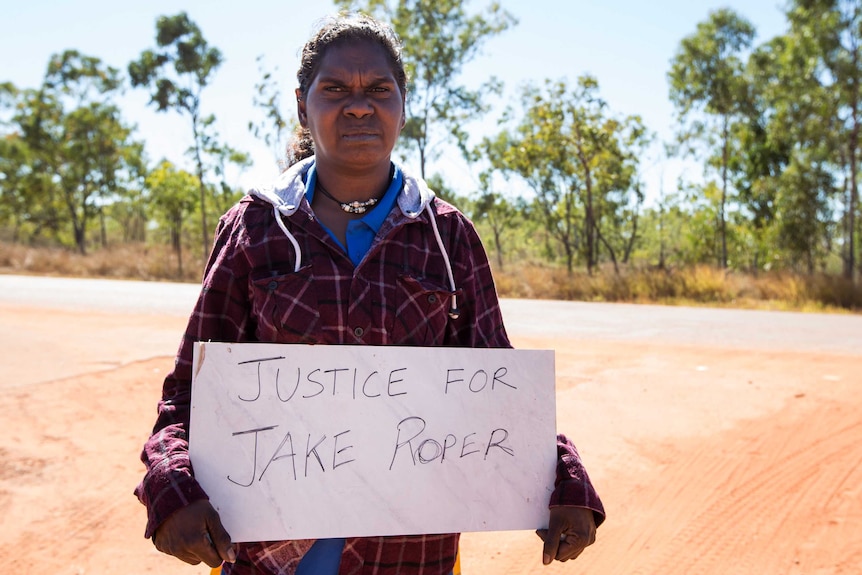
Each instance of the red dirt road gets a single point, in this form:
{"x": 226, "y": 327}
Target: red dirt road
{"x": 710, "y": 460}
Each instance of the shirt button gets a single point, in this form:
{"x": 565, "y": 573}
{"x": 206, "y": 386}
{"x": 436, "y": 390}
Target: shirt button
{"x": 272, "y": 285}
{"x": 358, "y": 331}
{"x": 432, "y": 298}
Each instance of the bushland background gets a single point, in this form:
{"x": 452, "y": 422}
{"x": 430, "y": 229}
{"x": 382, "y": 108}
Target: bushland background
{"x": 558, "y": 185}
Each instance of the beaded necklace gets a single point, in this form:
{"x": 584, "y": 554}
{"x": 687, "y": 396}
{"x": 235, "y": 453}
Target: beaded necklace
{"x": 354, "y": 207}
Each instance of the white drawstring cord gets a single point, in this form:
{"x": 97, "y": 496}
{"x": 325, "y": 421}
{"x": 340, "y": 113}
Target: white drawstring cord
{"x": 289, "y": 235}
{"x": 454, "y": 312}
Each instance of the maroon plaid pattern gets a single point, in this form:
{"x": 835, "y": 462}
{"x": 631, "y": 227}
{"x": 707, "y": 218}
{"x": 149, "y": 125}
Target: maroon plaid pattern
{"x": 398, "y": 295}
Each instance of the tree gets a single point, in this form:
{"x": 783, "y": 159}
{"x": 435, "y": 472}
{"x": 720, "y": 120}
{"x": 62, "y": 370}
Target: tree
{"x": 176, "y": 73}
{"x": 79, "y": 149}
{"x": 267, "y": 97}
{"x": 791, "y": 148}
{"x": 495, "y": 209}
{"x": 834, "y": 29}
{"x": 172, "y": 197}
{"x": 707, "y": 81}
{"x": 439, "y": 38}
{"x": 578, "y": 160}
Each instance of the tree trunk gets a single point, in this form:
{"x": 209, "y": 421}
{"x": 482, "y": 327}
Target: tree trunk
{"x": 725, "y": 153}
{"x": 498, "y": 246}
{"x": 103, "y": 232}
{"x": 201, "y": 186}
{"x": 178, "y": 244}
{"x": 850, "y": 262}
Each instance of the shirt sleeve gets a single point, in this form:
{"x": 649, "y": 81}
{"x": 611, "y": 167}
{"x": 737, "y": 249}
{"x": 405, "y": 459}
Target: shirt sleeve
{"x": 572, "y": 486}
{"x": 220, "y": 314}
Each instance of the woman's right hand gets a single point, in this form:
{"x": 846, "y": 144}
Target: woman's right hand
{"x": 195, "y": 534}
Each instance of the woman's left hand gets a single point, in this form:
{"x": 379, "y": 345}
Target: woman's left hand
{"x": 570, "y": 530}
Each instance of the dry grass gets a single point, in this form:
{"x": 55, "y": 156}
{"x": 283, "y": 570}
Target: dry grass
{"x": 129, "y": 261}
{"x": 700, "y": 285}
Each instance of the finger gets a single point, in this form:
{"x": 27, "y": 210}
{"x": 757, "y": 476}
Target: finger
{"x": 552, "y": 542}
{"x": 220, "y": 539}
{"x": 570, "y": 548}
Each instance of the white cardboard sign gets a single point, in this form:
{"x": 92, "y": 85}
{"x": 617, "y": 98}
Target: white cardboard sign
{"x": 299, "y": 441}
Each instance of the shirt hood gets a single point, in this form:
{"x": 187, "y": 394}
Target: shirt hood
{"x": 287, "y": 191}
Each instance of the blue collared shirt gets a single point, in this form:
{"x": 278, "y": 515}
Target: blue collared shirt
{"x": 360, "y": 233}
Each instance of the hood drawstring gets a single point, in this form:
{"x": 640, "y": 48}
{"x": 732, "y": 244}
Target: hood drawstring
{"x": 454, "y": 312}
{"x": 297, "y": 263}
{"x": 286, "y": 194}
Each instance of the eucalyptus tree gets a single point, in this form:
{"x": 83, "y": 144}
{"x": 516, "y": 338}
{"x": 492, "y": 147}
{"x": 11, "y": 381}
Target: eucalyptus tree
{"x": 171, "y": 195}
{"x": 79, "y": 148}
{"x": 27, "y": 187}
{"x": 708, "y": 88}
{"x": 267, "y": 97}
{"x": 578, "y": 160}
{"x": 14, "y": 173}
{"x": 793, "y": 146}
{"x": 834, "y": 29}
{"x": 497, "y": 210}
{"x": 440, "y": 38}
{"x": 176, "y": 72}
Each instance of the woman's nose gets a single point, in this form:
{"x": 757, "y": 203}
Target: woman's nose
{"x": 358, "y": 105}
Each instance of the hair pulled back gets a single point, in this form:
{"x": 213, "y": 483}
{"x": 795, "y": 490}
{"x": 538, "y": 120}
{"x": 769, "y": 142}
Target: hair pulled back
{"x": 333, "y": 31}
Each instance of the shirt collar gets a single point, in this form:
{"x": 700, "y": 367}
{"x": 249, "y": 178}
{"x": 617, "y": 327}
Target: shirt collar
{"x": 375, "y": 217}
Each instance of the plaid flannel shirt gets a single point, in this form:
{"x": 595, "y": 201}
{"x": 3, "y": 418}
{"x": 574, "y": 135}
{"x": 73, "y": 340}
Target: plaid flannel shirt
{"x": 397, "y": 295}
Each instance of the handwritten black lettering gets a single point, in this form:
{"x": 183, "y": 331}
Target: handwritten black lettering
{"x": 391, "y": 381}
{"x": 498, "y": 378}
{"x": 313, "y": 450}
{"x": 278, "y": 389}
{"x": 275, "y": 456}
{"x": 334, "y": 373}
{"x": 450, "y": 380}
{"x": 365, "y": 393}
{"x": 447, "y": 445}
{"x": 314, "y": 381}
{"x": 499, "y": 443}
{"x": 465, "y": 444}
{"x": 255, "y": 431}
{"x": 336, "y": 452}
{"x": 482, "y": 375}
{"x": 407, "y": 422}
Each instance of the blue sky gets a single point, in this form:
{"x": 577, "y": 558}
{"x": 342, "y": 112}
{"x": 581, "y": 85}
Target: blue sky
{"x": 626, "y": 44}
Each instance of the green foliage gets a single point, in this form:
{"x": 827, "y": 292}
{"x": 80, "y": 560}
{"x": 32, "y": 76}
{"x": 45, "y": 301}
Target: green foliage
{"x": 67, "y": 153}
{"x": 581, "y": 164}
{"x": 830, "y": 31}
{"x": 172, "y": 194}
{"x": 440, "y": 37}
{"x": 267, "y": 97}
{"x": 710, "y": 93}
{"x": 176, "y": 74}
{"x": 775, "y": 127}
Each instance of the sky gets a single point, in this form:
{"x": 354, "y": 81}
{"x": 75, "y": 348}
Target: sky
{"x": 626, "y": 44}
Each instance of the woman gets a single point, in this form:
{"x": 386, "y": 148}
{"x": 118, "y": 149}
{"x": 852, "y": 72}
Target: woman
{"x": 344, "y": 248}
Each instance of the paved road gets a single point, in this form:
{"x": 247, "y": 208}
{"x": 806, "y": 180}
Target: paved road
{"x": 579, "y": 320}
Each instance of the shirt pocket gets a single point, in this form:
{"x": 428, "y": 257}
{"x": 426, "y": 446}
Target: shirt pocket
{"x": 285, "y": 307}
{"x": 421, "y": 312}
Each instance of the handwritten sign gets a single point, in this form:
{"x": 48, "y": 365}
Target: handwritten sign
{"x": 297, "y": 441}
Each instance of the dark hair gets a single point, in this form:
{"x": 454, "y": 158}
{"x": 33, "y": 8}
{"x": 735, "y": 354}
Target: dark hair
{"x": 334, "y": 30}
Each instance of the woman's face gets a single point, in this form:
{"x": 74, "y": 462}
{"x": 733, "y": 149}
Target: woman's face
{"x": 354, "y": 108}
